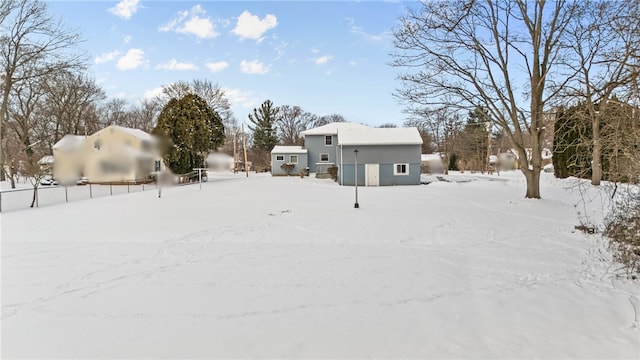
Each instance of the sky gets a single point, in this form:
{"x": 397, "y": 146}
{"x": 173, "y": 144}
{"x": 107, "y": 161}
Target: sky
{"x": 324, "y": 56}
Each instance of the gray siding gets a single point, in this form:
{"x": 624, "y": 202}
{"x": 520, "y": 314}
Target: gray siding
{"x": 385, "y": 156}
{"x": 315, "y": 146}
{"x": 276, "y": 165}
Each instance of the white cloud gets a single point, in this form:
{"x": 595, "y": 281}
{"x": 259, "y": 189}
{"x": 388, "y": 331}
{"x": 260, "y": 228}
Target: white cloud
{"x": 253, "y": 67}
{"x": 106, "y": 57}
{"x": 251, "y": 27}
{"x": 194, "y": 22}
{"x": 151, "y": 93}
{"x": 323, "y": 59}
{"x": 134, "y": 58}
{"x": 126, "y": 38}
{"x": 370, "y": 37}
{"x": 353, "y": 63}
{"x": 174, "y": 64}
{"x": 125, "y": 8}
{"x": 217, "y": 66}
{"x": 240, "y": 98}
{"x": 315, "y": 50}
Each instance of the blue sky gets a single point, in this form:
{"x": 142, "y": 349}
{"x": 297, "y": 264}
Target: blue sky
{"x": 326, "y": 56}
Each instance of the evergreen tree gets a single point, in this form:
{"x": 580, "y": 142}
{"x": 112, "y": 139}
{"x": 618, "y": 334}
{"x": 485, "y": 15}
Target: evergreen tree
{"x": 473, "y": 148}
{"x": 185, "y": 127}
{"x": 265, "y": 135}
{"x": 216, "y": 130}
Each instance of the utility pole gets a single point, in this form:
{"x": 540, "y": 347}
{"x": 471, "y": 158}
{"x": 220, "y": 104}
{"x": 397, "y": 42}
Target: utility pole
{"x": 235, "y": 150}
{"x": 244, "y": 146}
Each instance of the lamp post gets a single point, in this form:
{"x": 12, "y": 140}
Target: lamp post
{"x": 356, "y": 205}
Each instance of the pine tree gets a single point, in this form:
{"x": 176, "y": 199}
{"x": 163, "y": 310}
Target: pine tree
{"x": 216, "y": 130}
{"x": 185, "y": 127}
{"x": 265, "y": 135}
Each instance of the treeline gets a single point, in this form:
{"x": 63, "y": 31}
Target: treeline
{"x": 618, "y": 134}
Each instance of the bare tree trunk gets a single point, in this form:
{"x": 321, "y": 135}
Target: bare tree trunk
{"x": 533, "y": 183}
{"x": 35, "y": 194}
{"x": 596, "y": 166}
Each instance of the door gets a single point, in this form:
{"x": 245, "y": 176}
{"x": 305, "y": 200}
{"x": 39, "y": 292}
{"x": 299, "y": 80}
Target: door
{"x": 372, "y": 174}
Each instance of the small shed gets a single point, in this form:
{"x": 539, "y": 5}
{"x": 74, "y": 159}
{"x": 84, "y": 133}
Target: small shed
{"x": 386, "y": 156}
{"x": 288, "y": 160}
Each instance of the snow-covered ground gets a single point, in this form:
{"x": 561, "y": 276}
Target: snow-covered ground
{"x": 264, "y": 267}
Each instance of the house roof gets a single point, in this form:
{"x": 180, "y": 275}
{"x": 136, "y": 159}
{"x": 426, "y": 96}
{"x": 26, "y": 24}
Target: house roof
{"x": 142, "y": 135}
{"x": 379, "y": 136}
{"x": 69, "y": 141}
{"x": 47, "y": 159}
{"x": 280, "y": 149}
{"x": 217, "y": 157}
{"x": 332, "y": 128}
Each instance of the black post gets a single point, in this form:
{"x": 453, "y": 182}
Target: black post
{"x": 356, "y": 205}
{"x": 66, "y": 195}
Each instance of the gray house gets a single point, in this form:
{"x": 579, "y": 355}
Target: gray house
{"x": 322, "y": 145}
{"x": 386, "y": 156}
{"x": 294, "y": 157}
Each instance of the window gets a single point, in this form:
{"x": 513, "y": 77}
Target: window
{"x": 279, "y": 157}
{"x": 293, "y": 159}
{"x": 324, "y": 157}
{"x": 400, "y": 169}
{"x": 328, "y": 140}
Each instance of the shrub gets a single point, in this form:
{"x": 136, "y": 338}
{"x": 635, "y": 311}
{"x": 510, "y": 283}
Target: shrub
{"x": 622, "y": 227}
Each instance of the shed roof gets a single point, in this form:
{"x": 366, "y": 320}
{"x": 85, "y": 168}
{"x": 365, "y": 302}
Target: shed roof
{"x": 332, "y": 128}
{"x": 280, "y": 149}
{"x": 379, "y": 136}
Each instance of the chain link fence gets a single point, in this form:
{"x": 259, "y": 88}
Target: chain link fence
{"x": 46, "y": 195}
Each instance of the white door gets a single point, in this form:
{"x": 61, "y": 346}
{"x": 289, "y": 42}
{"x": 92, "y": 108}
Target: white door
{"x": 372, "y": 174}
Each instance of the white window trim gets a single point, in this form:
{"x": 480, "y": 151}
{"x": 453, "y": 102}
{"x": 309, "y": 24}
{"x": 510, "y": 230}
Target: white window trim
{"x": 395, "y": 169}
{"x": 279, "y": 156}
{"x": 291, "y": 159}
{"x": 325, "y": 140}
{"x": 324, "y": 160}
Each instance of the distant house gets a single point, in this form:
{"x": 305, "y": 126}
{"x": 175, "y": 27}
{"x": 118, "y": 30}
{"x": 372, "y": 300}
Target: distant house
{"x": 219, "y": 162}
{"x": 113, "y": 154}
{"x": 68, "y": 155}
{"x": 288, "y": 160}
{"x": 431, "y": 164}
{"x": 385, "y": 156}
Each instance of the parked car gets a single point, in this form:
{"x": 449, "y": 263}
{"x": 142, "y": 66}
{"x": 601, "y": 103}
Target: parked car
{"x": 82, "y": 181}
{"x": 48, "y": 180}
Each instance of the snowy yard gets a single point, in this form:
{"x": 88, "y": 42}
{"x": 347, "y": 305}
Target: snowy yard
{"x": 264, "y": 267}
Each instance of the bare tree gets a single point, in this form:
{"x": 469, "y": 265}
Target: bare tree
{"x": 328, "y": 119}
{"x": 606, "y": 56}
{"x": 145, "y": 115}
{"x": 71, "y": 100}
{"x": 210, "y": 92}
{"x": 25, "y": 101}
{"x": 115, "y": 112}
{"x": 423, "y": 129}
{"x": 291, "y": 121}
{"x": 32, "y": 44}
{"x": 501, "y": 55}
{"x": 388, "y": 125}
